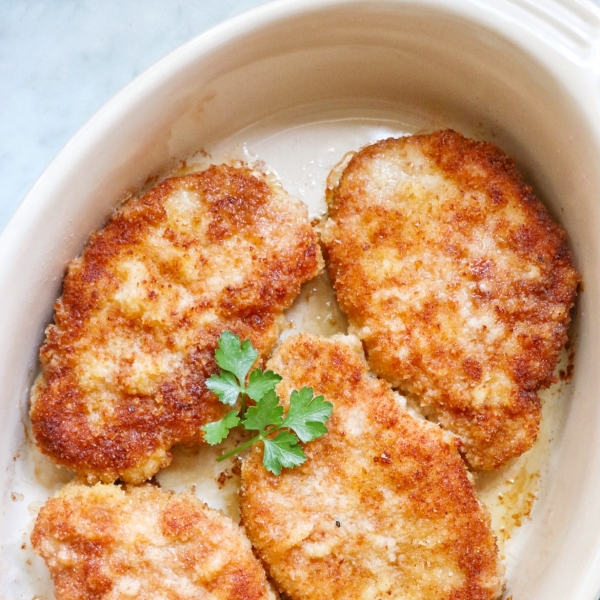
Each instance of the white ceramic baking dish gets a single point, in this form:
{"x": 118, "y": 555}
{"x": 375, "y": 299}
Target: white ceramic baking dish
{"x": 299, "y": 83}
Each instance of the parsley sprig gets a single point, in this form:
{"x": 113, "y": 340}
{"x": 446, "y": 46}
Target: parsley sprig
{"x": 305, "y": 419}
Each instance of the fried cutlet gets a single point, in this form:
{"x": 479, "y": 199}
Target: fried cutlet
{"x": 105, "y": 542}
{"x": 135, "y": 331}
{"x": 383, "y": 507}
{"x": 457, "y": 281}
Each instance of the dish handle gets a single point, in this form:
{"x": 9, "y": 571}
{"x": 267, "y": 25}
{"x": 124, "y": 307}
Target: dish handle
{"x": 571, "y": 25}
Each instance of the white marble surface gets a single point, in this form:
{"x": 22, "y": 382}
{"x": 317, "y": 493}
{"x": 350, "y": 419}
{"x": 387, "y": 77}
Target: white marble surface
{"x": 61, "y": 60}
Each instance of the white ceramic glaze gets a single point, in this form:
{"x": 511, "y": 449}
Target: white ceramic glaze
{"x": 523, "y": 74}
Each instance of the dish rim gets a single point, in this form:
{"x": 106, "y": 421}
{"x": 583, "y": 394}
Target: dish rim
{"x": 18, "y": 228}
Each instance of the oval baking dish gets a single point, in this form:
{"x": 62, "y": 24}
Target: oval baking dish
{"x": 523, "y": 74}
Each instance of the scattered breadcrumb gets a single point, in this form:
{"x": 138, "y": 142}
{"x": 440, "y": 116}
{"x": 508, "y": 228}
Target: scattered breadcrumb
{"x": 384, "y": 506}
{"x": 457, "y": 281}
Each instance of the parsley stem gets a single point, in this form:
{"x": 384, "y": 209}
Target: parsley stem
{"x": 256, "y": 438}
{"x": 240, "y": 448}
{"x": 243, "y": 405}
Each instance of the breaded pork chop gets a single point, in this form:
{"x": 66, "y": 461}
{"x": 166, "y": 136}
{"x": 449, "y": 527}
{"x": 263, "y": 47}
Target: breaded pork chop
{"x": 124, "y": 364}
{"x": 109, "y": 543}
{"x": 457, "y": 281}
{"x": 383, "y": 507}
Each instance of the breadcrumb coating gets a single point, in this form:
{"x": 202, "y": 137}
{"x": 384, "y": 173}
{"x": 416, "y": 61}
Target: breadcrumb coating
{"x": 135, "y": 331}
{"x": 457, "y": 281}
{"x": 384, "y": 506}
{"x": 108, "y": 543}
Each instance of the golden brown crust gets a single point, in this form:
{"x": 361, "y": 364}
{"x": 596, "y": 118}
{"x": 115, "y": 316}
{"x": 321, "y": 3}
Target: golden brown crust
{"x": 382, "y": 508}
{"x": 124, "y": 364}
{"x": 458, "y": 282}
{"x": 104, "y": 542}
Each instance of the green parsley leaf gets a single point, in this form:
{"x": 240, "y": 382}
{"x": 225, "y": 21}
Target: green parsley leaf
{"x": 307, "y": 414}
{"x": 261, "y": 382}
{"x": 235, "y": 356}
{"x": 217, "y": 431}
{"x": 282, "y": 451}
{"x": 281, "y": 435}
{"x": 267, "y": 412}
{"x": 225, "y": 386}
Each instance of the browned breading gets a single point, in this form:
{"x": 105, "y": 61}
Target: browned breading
{"x": 107, "y": 543}
{"x": 124, "y": 365}
{"x": 457, "y": 281}
{"x": 382, "y": 508}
